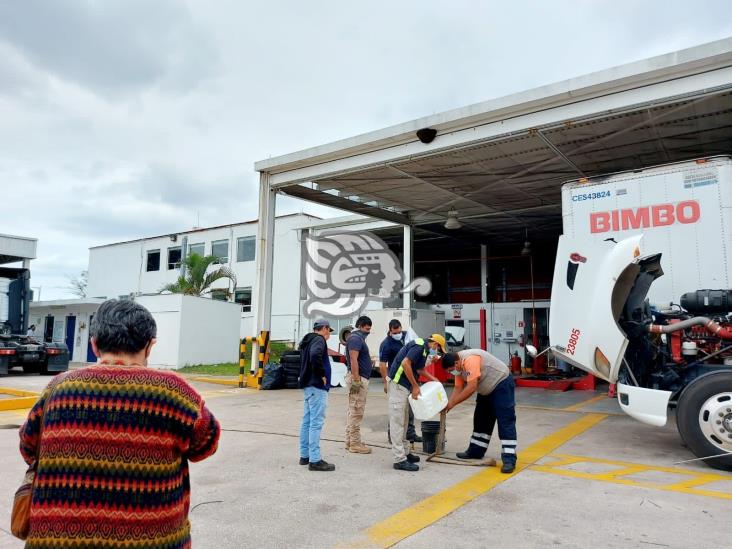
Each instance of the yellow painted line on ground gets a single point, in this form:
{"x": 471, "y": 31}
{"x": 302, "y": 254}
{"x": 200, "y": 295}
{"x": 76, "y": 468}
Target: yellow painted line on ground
{"x": 20, "y": 403}
{"x": 426, "y": 512}
{"x": 217, "y": 381}
{"x": 17, "y": 392}
{"x": 577, "y": 407}
{"x": 562, "y": 410}
{"x": 624, "y": 469}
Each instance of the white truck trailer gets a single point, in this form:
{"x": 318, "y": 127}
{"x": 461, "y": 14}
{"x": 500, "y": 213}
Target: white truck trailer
{"x": 665, "y": 338}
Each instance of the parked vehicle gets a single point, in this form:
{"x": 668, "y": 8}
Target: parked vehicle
{"x": 676, "y": 348}
{"x": 455, "y": 338}
{"x": 17, "y": 349}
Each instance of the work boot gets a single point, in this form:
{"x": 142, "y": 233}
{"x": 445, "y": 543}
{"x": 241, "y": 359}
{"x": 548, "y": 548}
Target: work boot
{"x": 304, "y": 461}
{"x": 321, "y": 466}
{"x": 467, "y": 455}
{"x": 411, "y": 458}
{"x": 406, "y": 466}
{"x": 416, "y": 439}
{"x": 508, "y": 467}
{"x": 359, "y": 448}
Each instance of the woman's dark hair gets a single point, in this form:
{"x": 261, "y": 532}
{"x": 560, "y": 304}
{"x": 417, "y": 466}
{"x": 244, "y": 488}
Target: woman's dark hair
{"x": 122, "y": 326}
{"x": 363, "y": 321}
{"x": 449, "y": 360}
{"x": 394, "y": 323}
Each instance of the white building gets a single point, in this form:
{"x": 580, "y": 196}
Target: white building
{"x": 144, "y": 266}
{"x": 140, "y": 268}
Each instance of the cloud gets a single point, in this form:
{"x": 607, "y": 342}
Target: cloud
{"x": 110, "y": 47}
{"x": 129, "y": 118}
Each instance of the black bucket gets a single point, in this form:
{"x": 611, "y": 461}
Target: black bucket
{"x": 430, "y": 434}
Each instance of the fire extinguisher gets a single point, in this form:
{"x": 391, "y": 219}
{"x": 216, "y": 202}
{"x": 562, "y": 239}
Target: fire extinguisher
{"x": 516, "y": 363}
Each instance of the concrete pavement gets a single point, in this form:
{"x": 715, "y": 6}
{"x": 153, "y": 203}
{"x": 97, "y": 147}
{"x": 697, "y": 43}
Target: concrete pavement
{"x": 253, "y": 492}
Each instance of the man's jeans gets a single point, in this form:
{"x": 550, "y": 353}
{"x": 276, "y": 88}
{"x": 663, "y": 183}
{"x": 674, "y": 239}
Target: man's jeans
{"x": 313, "y": 417}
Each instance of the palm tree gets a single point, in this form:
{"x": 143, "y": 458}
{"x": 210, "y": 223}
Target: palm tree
{"x": 197, "y": 279}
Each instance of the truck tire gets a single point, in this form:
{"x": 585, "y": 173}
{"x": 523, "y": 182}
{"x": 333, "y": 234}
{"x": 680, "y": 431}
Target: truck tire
{"x": 704, "y": 418}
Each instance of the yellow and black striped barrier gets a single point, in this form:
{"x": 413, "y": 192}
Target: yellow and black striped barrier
{"x": 242, "y": 357}
{"x": 254, "y": 378}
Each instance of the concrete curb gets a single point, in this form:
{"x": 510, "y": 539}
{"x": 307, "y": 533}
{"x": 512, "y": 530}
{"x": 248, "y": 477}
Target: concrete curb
{"x": 217, "y": 381}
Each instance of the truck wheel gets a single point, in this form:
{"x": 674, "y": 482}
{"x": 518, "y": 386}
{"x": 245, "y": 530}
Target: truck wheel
{"x": 704, "y": 418}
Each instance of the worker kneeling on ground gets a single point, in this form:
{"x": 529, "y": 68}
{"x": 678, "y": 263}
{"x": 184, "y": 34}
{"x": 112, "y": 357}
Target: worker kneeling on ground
{"x": 408, "y": 364}
{"x": 478, "y": 370}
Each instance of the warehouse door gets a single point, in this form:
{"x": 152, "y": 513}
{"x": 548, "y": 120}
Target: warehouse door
{"x": 90, "y": 357}
{"x": 473, "y": 339}
{"x": 70, "y": 332}
{"x": 48, "y": 330}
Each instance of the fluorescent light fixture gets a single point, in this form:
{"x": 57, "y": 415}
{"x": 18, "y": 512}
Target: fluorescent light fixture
{"x": 452, "y": 220}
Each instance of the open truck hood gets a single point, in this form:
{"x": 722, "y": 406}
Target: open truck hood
{"x": 592, "y": 285}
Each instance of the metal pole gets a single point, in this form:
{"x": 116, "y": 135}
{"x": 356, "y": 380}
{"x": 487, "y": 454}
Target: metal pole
{"x": 183, "y": 255}
{"x": 408, "y": 265}
{"x": 483, "y": 330}
{"x": 265, "y": 259}
{"x": 483, "y": 274}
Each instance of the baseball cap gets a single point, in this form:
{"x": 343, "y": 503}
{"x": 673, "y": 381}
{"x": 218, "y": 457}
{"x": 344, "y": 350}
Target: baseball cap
{"x": 321, "y": 323}
{"x": 440, "y": 340}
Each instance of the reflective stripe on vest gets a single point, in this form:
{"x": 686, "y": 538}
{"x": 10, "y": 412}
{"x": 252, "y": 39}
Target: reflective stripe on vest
{"x": 400, "y": 370}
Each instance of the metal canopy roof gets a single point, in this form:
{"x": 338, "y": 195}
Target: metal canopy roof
{"x": 501, "y": 164}
{"x": 14, "y": 249}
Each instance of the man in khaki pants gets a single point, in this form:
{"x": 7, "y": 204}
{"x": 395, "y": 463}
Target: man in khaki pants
{"x": 404, "y": 374}
{"x": 357, "y": 383}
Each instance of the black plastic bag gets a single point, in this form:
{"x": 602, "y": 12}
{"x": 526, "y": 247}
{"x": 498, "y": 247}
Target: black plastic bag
{"x": 274, "y": 377}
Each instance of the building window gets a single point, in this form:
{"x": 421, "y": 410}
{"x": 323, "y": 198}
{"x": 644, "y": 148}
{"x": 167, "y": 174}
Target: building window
{"x": 199, "y": 249}
{"x": 243, "y": 296}
{"x": 245, "y": 248}
{"x": 153, "y": 260}
{"x": 174, "y": 258}
{"x": 220, "y": 248}
{"x": 220, "y": 295}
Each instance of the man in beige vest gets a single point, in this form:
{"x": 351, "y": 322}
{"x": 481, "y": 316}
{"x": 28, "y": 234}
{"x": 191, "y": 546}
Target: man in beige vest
{"x": 478, "y": 371}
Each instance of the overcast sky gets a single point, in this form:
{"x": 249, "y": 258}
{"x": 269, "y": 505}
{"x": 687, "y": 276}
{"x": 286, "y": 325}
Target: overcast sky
{"x": 121, "y": 119}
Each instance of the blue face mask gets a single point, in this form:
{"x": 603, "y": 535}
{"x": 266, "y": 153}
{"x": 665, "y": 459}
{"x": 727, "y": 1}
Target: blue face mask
{"x": 398, "y": 337}
{"x": 433, "y": 352}
{"x": 455, "y": 372}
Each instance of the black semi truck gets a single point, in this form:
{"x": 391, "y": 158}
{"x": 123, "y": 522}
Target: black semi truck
{"x": 17, "y": 349}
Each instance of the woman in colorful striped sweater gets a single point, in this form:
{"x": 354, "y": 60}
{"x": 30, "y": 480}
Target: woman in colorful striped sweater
{"x": 113, "y": 442}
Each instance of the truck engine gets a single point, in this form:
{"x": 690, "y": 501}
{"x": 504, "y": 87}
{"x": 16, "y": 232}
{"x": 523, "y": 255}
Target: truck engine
{"x": 669, "y": 347}
{"x": 685, "y": 349}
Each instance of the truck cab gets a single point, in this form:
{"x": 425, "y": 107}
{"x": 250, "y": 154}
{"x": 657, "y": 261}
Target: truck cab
{"x": 17, "y": 348}
{"x": 642, "y": 295}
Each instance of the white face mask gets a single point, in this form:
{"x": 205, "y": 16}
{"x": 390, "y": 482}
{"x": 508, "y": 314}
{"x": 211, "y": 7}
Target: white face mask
{"x": 398, "y": 337}
{"x": 455, "y": 372}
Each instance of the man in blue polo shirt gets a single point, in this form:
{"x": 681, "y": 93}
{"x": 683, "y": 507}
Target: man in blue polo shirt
{"x": 359, "y": 362}
{"x": 404, "y": 371}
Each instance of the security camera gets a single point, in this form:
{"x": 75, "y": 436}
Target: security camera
{"x": 426, "y": 135}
